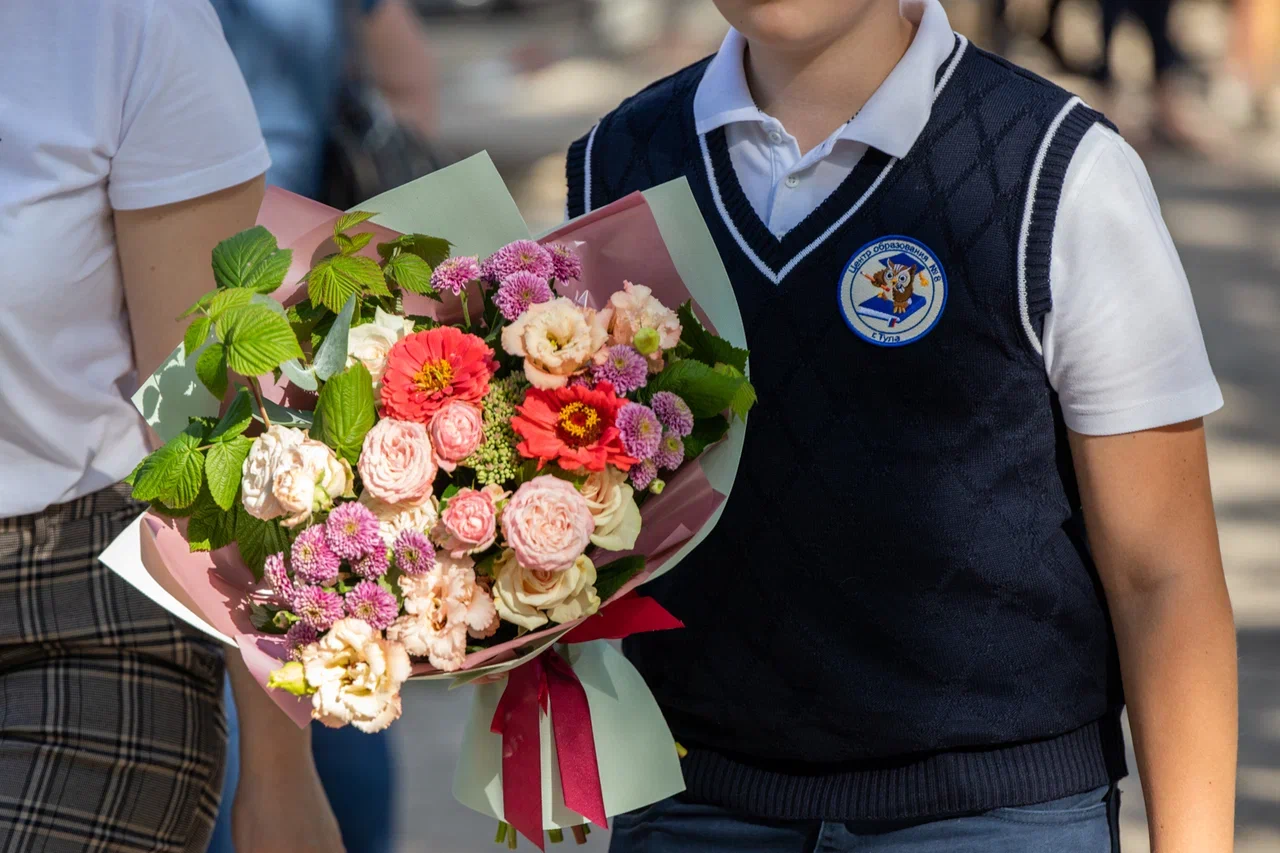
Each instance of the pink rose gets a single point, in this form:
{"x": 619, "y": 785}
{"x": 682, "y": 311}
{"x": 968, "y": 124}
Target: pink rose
{"x": 548, "y": 524}
{"x": 469, "y": 523}
{"x": 397, "y": 464}
{"x": 456, "y": 431}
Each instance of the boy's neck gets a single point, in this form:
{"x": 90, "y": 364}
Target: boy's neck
{"x": 815, "y": 90}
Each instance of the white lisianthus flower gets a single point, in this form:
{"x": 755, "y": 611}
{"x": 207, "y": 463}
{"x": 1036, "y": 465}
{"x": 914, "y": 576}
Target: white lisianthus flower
{"x": 529, "y": 598}
{"x": 370, "y": 343}
{"x": 356, "y": 675}
{"x": 613, "y": 506}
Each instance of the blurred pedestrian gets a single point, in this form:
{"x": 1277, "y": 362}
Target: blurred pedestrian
{"x": 128, "y": 150}
{"x": 1254, "y": 58}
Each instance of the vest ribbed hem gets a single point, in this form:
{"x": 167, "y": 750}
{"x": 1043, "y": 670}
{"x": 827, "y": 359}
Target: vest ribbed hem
{"x": 575, "y": 176}
{"x": 932, "y": 786}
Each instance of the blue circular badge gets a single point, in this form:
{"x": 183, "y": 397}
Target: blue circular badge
{"x": 892, "y": 291}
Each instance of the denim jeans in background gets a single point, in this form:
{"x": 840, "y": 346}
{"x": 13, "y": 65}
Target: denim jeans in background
{"x": 1084, "y": 823}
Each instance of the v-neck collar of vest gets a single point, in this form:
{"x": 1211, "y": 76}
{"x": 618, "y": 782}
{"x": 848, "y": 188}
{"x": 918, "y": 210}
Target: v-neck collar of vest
{"x": 775, "y": 257}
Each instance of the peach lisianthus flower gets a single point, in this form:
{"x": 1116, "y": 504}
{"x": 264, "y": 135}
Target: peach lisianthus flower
{"x": 356, "y": 675}
{"x": 397, "y": 463}
{"x": 469, "y": 523}
{"x": 442, "y": 608}
{"x": 456, "y": 431}
{"x": 556, "y": 339}
{"x": 530, "y": 597}
{"x": 548, "y": 524}
{"x": 634, "y": 308}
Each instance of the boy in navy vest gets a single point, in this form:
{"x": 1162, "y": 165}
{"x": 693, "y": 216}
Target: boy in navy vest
{"x": 974, "y": 498}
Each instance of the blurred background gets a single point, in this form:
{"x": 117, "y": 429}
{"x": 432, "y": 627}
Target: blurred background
{"x": 1200, "y": 101}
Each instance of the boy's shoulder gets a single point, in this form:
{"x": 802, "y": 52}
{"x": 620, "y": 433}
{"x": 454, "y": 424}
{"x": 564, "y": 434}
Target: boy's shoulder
{"x": 1017, "y": 86}
{"x": 660, "y": 95}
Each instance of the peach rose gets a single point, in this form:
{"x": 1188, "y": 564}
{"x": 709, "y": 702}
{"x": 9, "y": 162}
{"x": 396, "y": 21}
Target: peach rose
{"x": 356, "y": 675}
{"x": 556, "y": 339}
{"x": 259, "y": 471}
{"x": 456, "y": 431}
{"x": 393, "y": 518}
{"x": 529, "y": 597}
{"x": 548, "y": 524}
{"x": 634, "y": 308}
{"x": 469, "y": 522}
{"x": 613, "y": 506}
{"x": 397, "y": 464}
{"x": 308, "y": 477}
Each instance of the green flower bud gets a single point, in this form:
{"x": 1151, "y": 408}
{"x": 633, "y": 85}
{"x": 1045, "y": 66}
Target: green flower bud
{"x": 291, "y": 679}
{"x": 657, "y": 486}
{"x": 646, "y": 340}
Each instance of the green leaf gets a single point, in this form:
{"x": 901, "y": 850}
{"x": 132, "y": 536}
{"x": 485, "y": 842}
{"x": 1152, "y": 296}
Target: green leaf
{"x": 280, "y": 416}
{"x": 745, "y": 397}
{"x": 706, "y": 391}
{"x": 337, "y": 278}
{"x": 236, "y": 261}
{"x": 706, "y": 347}
{"x": 197, "y": 334}
{"x": 349, "y": 245}
{"x": 263, "y": 618}
{"x": 706, "y": 432}
{"x": 351, "y": 220}
{"x": 410, "y": 272}
{"x": 449, "y": 491}
{"x": 201, "y": 427}
{"x": 433, "y": 250}
{"x": 175, "y": 472}
{"x": 257, "y": 340}
{"x": 331, "y": 356}
{"x": 258, "y": 539}
{"x": 345, "y": 411}
{"x": 612, "y": 576}
{"x": 226, "y": 300}
{"x": 223, "y": 467}
{"x": 423, "y": 324}
{"x": 268, "y": 275}
{"x": 200, "y": 305}
{"x": 303, "y": 377}
{"x": 161, "y": 508}
{"x": 211, "y": 527}
{"x": 237, "y": 418}
{"x": 211, "y": 369}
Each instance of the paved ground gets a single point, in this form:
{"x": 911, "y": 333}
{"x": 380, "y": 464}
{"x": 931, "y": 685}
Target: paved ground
{"x": 523, "y": 91}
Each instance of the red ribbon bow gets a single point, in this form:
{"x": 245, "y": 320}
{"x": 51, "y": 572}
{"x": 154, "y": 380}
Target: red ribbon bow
{"x": 548, "y": 681}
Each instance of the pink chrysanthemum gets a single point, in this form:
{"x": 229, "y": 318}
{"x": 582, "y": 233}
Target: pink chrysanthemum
{"x": 565, "y": 262}
{"x": 318, "y": 607}
{"x": 372, "y": 565}
{"x": 673, "y": 412}
{"x": 415, "y": 555}
{"x": 277, "y": 576}
{"x": 373, "y": 604}
{"x": 522, "y": 255}
{"x": 640, "y": 430}
{"x": 312, "y": 558}
{"x": 518, "y": 291}
{"x": 670, "y": 452}
{"x": 299, "y": 636}
{"x": 624, "y": 366}
{"x": 352, "y": 530}
{"x": 643, "y": 474}
{"x": 454, "y": 274}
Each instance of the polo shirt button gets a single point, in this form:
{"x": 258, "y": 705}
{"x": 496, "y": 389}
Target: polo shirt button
{"x": 775, "y": 137}
{"x": 793, "y": 181}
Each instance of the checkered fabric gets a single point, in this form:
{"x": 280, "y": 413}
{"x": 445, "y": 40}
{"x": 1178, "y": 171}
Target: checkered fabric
{"x": 112, "y": 732}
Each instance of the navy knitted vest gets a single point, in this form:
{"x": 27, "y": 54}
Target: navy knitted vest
{"x": 897, "y": 615}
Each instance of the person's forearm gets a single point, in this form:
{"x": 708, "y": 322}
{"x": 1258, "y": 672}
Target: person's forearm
{"x": 401, "y": 65}
{"x": 268, "y": 737}
{"x": 1178, "y": 658}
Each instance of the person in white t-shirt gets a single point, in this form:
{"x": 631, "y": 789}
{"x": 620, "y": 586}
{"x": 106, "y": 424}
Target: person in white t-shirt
{"x": 128, "y": 149}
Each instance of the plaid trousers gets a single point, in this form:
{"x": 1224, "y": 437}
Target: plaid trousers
{"x": 112, "y": 732}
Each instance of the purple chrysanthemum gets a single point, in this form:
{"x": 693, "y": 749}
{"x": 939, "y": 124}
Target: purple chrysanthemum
{"x": 565, "y": 263}
{"x": 277, "y": 576}
{"x": 352, "y": 530}
{"x": 643, "y": 473}
{"x": 373, "y": 604}
{"x": 625, "y": 368}
{"x": 372, "y": 565}
{"x": 673, "y": 412}
{"x": 518, "y": 291}
{"x": 299, "y": 636}
{"x": 318, "y": 607}
{"x": 312, "y": 558}
{"x": 670, "y": 452}
{"x": 454, "y": 274}
{"x": 520, "y": 256}
{"x": 415, "y": 555}
{"x": 640, "y": 430}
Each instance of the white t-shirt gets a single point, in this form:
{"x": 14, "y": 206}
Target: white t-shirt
{"x": 104, "y": 104}
{"x": 1121, "y": 358}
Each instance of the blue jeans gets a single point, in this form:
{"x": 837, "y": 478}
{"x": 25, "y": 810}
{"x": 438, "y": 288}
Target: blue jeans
{"x": 1084, "y": 823}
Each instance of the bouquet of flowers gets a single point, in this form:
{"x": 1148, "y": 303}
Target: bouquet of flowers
{"x": 426, "y": 462}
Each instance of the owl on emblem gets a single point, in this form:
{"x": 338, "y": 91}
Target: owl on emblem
{"x": 896, "y": 283}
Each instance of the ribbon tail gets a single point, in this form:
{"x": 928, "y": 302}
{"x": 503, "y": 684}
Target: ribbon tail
{"x": 575, "y": 741}
{"x": 517, "y": 720}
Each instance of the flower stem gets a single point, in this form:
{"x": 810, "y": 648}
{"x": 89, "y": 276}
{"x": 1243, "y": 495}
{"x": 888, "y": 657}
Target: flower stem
{"x": 466, "y": 313}
{"x": 580, "y": 834}
{"x": 257, "y": 395}
{"x": 502, "y": 833}
{"x": 555, "y": 836}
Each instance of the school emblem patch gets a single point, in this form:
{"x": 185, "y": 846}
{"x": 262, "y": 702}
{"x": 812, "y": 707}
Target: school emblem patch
{"x": 892, "y": 291}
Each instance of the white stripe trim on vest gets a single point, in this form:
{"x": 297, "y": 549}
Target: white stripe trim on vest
{"x": 777, "y": 277}
{"x": 1032, "y": 189}
{"x": 586, "y": 170}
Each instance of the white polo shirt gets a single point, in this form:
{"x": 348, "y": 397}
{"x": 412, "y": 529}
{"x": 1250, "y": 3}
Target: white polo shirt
{"x": 104, "y": 104}
{"x": 1121, "y": 359}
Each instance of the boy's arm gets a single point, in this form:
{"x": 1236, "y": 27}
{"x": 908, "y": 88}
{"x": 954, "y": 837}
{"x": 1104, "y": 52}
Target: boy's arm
{"x": 1152, "y": 531}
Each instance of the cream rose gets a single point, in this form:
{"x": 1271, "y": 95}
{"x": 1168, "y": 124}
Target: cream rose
{"x": 547, "y": 523}
{"x": 529, "y": 598}
{"x": 259, "y": 471}
{"x": 308, "y": 478}
{"x": 613, "y": 506}
{"x": 357, "y": 676}
{"x": 397, "y": 464}
{"x": 393, "y": 518}
{"x": 556, "y": 339}
{"x": 634, "y": 308}
{"x": 468, "y": 524}
{"x": 370, "y": 343}
{"x": 456, "y": 431}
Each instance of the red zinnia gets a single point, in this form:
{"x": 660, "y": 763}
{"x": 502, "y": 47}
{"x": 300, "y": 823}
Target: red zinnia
{"x": 428, "y": 369}
{"x": 573, "y": 427}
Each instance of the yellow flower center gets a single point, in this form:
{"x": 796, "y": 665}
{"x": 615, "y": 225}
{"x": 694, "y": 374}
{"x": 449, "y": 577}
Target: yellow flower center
{"x": 579, "y": 424}
{"x": 434, "y": 376}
